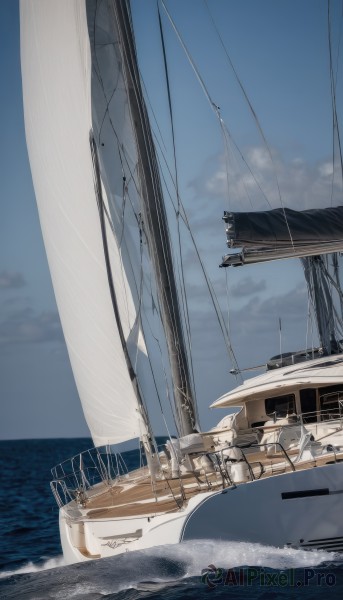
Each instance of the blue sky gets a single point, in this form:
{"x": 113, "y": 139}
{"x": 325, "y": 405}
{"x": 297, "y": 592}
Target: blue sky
{"x": 280, "y": 51}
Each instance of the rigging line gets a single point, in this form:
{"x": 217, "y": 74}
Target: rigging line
{"x": 138, "y": 313}
{"x": 252, "y": 110}
{"x": 119, "y": 244}
{"x": 162, "y": 225}
{"x": 98, "y": 70}
{"x": 337, "y": 276}
{"x": 113, "y": 232}
{"x": 123, "y": 244}
{"x": 108, "y": 102}
{"x": 213, "y": 296}
{"x": 109, "y": 220}
{"x": 237, "y": 369}
{"x": 216, "y": 109}
{"x": 216, "y": 307}
{"x": 171, "y": 308}
{"x": 212, "y": 104}
{"x": 98, "y": 74}
{"x": 160, "y": 221}
{"x": 100, "y": 202}
{"x": 325, "y": 285}
{"x": 146, "y": 95}
{"x": 254, "y": 116}
{"x": 124, "y": 196}
{"x": 227, "y": 133}
{"x": 183, "y": 284}
{"x": 326, "y": 266}
{"x": 122, "y": 153}
{"x": 171, "y": 405}
{"x": 339, "y": 47}
{"x": 184, "y": 217}
{"x": 163, "y": 176}
{"x": 99, "y": 77}
{"x": 334, "y": 284}
{"x": 308, "y": 320}
{"x": 338, "y": 324}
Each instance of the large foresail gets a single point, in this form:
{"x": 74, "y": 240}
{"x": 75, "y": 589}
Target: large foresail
{"x": 103, "y": 218}
{"x": 56, "y": 73}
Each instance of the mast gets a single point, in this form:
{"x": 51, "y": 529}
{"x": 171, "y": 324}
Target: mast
{"x": 156, "y": 226}
{"x": 319, "y": 283}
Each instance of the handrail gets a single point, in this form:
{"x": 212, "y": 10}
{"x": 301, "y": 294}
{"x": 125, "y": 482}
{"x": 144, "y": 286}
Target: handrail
{"x": 327, "y": 413}
{"x": 77, "y": 478}
{"x": 253, "y": 445}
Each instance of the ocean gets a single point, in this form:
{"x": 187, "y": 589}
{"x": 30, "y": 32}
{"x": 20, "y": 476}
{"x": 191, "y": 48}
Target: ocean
{"x": 32, "y": 566}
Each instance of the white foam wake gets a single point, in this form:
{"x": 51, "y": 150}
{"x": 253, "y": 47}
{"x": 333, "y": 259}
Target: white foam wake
{"x": 175, "y": 562}
{"x": 30, "y": 567}
{"x": 198, "y": 555}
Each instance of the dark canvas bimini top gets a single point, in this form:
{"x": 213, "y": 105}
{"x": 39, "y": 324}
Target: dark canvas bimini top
{"x": 283, "y": 233}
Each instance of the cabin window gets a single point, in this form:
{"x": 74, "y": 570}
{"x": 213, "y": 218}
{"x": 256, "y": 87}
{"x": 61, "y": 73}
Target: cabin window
{"x": 281, "y": 406}
{"x": 331, "y": 402}
{"x": 308, "y": 403}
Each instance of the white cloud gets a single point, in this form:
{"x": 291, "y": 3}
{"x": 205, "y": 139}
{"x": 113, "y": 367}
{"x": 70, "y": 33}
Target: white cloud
{"x": 325, "y": 170}
{"x": 259, "y": 158}
{"x": 255, "y": 187}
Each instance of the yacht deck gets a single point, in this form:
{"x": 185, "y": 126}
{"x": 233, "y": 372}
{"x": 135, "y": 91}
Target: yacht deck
{"x": 137, "y": 497}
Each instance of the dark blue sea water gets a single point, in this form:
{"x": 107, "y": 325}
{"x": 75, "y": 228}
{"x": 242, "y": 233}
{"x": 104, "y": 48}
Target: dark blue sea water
{"x": 32, "y": 566}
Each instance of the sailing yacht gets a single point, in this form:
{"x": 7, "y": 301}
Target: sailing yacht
{"x": 271, "y": 471}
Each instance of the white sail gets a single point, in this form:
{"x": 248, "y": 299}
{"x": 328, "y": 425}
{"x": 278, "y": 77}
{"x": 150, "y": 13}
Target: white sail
{"x": 56, "y": 73}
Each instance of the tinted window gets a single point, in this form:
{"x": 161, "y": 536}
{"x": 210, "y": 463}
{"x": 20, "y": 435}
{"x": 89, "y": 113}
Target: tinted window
{"x": 330, "y": 397}
{"x": 280, "y": 406}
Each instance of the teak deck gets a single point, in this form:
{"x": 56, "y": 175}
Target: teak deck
{"x": 137, "y": 496}
{"x": 140, "y": 498}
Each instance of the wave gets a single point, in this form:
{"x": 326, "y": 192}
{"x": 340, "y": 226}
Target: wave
{"x": 30, "y": 567}
{"x": 162, "y": 564}
{"x": 197, "y": 555}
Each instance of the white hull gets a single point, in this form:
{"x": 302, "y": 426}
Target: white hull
{"x": 254, "y": 512}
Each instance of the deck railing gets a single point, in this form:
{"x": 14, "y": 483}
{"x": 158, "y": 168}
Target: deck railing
{"x": 77, "y": 477}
